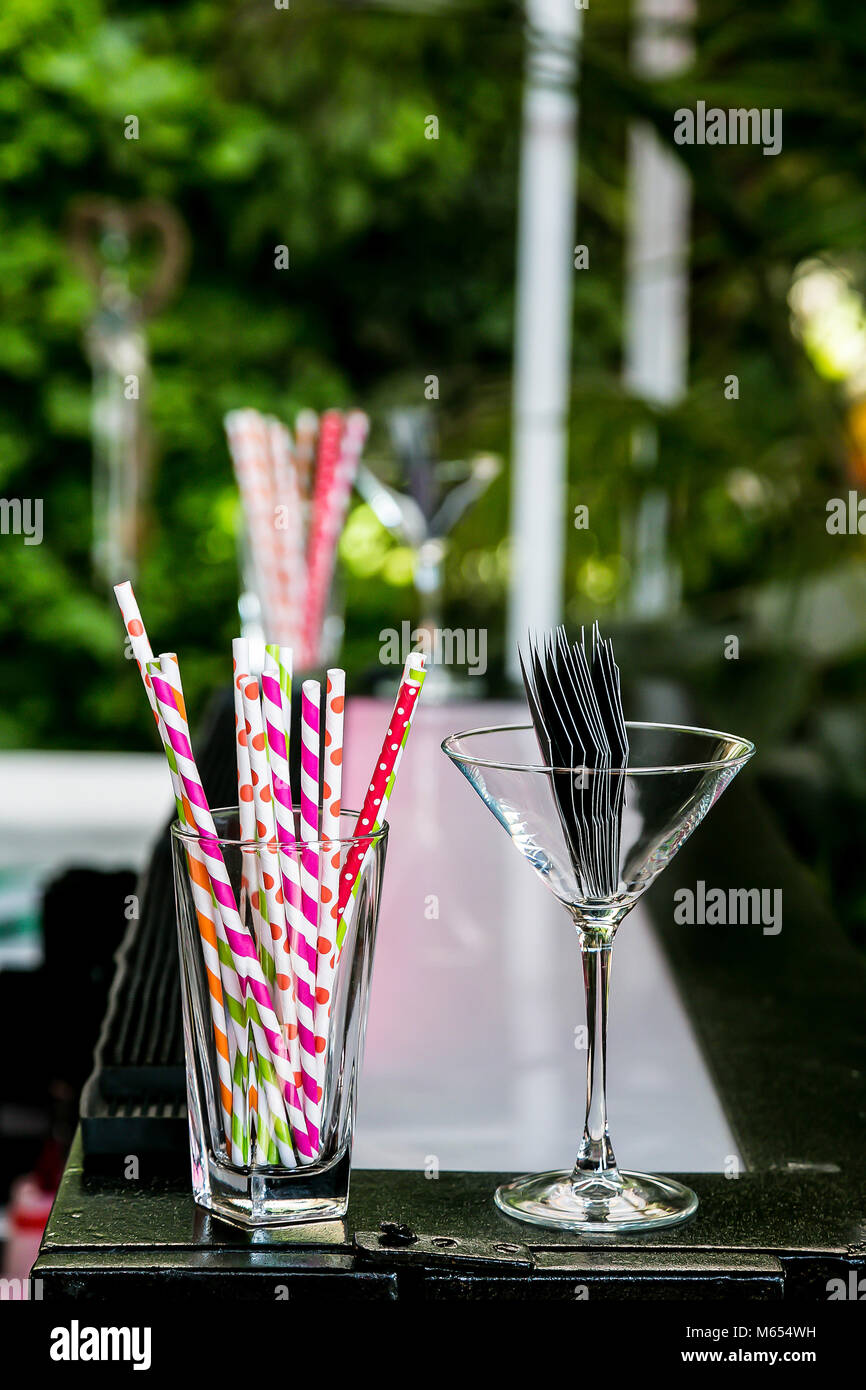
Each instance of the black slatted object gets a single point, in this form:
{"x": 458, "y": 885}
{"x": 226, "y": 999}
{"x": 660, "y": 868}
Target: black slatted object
{"x": 576, "y": 706}
{"x": 134, "y": 1102}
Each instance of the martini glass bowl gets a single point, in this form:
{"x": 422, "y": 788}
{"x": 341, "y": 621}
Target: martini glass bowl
{"x": 674, "y": 775}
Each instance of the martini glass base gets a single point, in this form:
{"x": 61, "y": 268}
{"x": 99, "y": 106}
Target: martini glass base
{"x": 643, "y": 1203}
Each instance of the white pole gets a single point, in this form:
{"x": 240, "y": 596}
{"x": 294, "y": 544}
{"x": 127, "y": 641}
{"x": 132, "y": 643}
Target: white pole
{"x": 656, "y": 298}
{"x": 659, "y": 198}
{"x": 542, "y": 350}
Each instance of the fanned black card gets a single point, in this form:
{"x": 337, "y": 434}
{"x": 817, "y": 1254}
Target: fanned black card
{"x": 576, "y": 707}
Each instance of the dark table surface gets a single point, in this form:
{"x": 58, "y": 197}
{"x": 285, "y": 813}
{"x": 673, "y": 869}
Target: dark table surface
{"x": 763, "y": 1236}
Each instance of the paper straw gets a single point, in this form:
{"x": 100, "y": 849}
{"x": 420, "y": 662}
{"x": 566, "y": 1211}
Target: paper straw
{"x": 381, "y": 785}
{"x": 265, "y": 1150}
{"x": 256, "y": 1101}
{"x": 306, "y": 429}
{"x": 256, "y": 1112}
{"x": 246, "y": 810}
{"x": 289, "y": 537}
{"x": 227, "y": 1004}
{"x": 206, "y": 905}
{"x": 275, "y": 905}
{"x": 276, "y": 709}
{"x": 357, "y": 427}
{"x": 287, "y": 590}
{"x": 309, "y": 802}
{"x": 310, "y": 700}
{"x": 248, "y": 448}
{"x": 205, "y": 909}
{"x": 249, "y": 445}
{"x": 246, "y": 813}
{"x": 273, "y": 1059}
{"x": 329, "y": 516}
{"x": 311, "y": 695}
{"x": 264, "y": 833}
{"x": 322, "y": 536}
{"x": 143, "y": 653}
{"x": 242, "y": 1011}
{"x": 240, "y": 1111}
{"x": 329, "y": 874}
{"x": 277, "y": 713}
{"x": 332, "y": 790}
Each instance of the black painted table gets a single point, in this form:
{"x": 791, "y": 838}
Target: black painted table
{"x": 762, "y": 1236}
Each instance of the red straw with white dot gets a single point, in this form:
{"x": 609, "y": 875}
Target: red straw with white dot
{"x": 381, "y": 786}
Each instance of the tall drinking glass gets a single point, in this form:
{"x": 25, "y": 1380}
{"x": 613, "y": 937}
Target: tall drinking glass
{"x": 273, "y": 1024}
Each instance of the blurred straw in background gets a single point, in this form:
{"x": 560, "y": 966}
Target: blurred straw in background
{"x": 295, "y": 496}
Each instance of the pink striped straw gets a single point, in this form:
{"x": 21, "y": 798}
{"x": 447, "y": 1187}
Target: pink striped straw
{"x": 249, "y": 444}
{"x": 331, "y": 521}
{"x": 310, "y": 702}
{"x": 276, "y": 708}
{"x": 332, "y": 790}
{"x": 267, "y": 1030}
{"x": 205, "y": 910}
{"x": 321, "y": 538}
{"x": 289, "y": 536}
{"x": 275, "y": 905}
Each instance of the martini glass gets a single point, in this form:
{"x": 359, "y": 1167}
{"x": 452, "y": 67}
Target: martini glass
{"x": 675, "y": 775}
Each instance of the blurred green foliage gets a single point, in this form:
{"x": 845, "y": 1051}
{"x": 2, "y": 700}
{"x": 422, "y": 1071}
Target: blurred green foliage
{"x": 305, "y": 127}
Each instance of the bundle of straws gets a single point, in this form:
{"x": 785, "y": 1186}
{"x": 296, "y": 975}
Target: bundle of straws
{"x": 576, "y": 706}
{"x": 295, "y": 493}
{"x": 271, "y": 966}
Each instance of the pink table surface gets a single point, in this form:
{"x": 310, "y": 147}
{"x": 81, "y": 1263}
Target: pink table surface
{"x": 471, "y": 1060}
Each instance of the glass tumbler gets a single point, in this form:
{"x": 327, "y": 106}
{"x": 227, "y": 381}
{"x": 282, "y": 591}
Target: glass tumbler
{"x": 274, "y": 991}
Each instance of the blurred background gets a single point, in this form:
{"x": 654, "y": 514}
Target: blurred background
{"x": 698, "y": 363}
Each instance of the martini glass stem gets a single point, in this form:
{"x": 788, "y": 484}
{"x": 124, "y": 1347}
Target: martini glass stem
{"x": 595, "y": 1175}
